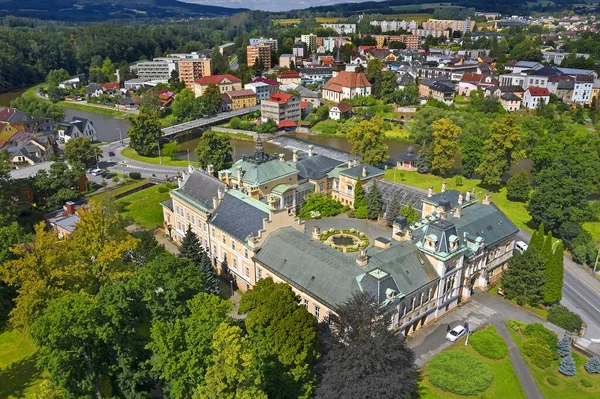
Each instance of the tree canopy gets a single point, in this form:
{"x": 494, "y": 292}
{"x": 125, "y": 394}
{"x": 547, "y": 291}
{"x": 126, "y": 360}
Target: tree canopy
{"x": 368, "y": 141}
{"x": 215, "y": 150}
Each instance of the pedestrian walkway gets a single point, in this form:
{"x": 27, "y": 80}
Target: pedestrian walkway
{"x": 159, "y": 235}
{"x": 518, "y": 363}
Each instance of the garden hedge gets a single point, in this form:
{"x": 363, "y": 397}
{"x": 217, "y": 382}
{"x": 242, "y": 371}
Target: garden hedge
{"x": 488, "y": 343}
{"x": 460, "y": 373}
{"x": 536, "y": 330}
{"x": 563, "y": 317}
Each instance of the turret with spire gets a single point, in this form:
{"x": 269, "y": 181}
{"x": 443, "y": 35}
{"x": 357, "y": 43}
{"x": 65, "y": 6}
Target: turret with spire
{"x": 338, "y": 65}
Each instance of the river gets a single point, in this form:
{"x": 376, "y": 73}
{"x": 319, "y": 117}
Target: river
{"x": 106, "y": 126}
{"x": 6, "y": 98}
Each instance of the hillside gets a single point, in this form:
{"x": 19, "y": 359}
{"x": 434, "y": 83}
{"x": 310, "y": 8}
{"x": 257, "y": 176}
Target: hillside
{"x": 103, "y": 10}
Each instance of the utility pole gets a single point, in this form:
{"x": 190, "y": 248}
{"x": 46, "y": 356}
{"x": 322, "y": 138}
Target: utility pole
{"x": 596, "y": 262}
{"x": 159, "y": 157}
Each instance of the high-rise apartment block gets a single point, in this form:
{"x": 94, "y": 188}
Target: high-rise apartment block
{"x": 260, "y": 52}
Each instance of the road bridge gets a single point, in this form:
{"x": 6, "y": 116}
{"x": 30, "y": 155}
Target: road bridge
{"x": 207, "y": 122}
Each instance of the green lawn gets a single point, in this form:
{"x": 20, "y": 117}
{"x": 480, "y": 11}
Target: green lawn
{"x": 568, "y": 387}
{"x": 18, "y": 371}
{"x": 144, "y": 207}
{"x": 90, "y": 108}
{"x": 505, "y": 383}
{"x": 516, "y": 211}
{"x": 132, "y": 154}
{"x": 398, "y": 132}
{"x": 168, "y": 120}
{"x": 119, "y": 189}
{"x": 461, "y": 100}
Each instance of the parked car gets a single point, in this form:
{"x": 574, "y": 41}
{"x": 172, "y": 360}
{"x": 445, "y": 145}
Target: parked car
{"x": 456, "y": 333}
{"x": 89, "y": 171}
{"x": 521, "y": 246}
{"x": 109, "y": 175}
{"x": 111, "y": 154}
{"x": 97, "y": 172}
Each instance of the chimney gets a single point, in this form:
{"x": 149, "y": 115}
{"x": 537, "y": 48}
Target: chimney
{"x": 295, "y": 156}
{"x": 316, "y": 233}
{"x": 220, "y": 194}
{"x": 349, "y": 164}
{"x": 355, "y": 162}
{"x": 271, "y": 201}
{"x": 486, "y": 199}
{"x": 310, "y": 147}
{"x": 362, "y": 259}
{"x": 468, "y": 198}
{"x": 364, "y": 171}
{"x": 70, "y": 207}
{"x": 239, "y": 176}
{"x": 430, "y": 193}
{"x": 216, "y": 202}
{"x": 443, "y": 187}
{"x": 210, "y": 169}
{"x": 457, "y": 213}
{"x": 282, "y": 157}
{"x": 460, "y": 199}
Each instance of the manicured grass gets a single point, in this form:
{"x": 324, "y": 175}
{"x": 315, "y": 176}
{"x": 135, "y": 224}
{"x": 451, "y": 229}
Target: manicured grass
{"x": 144, "y": 207}
{"x": 515, "y": 211}
{"x": 504, "y": 385}
{"x": 132, "y": 154}
{"x": 19, "y": 373}
{"x": 567, "y": 387}
{"x": 120, "y": 189}
{"x": 398, "y": 132}
{"x": 90, "y": 108}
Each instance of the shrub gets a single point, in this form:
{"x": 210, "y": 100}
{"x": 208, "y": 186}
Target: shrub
{"x": 536, "y": 330}
{"x": 447, "y": 371}
{"x": 458, "y": 180}
{"x": 317, "y": 202}
{"x": 163, "y": 189}
{"x": 563, "y": 317}
{"x": 488, "y": 343}
{"x": 362, "y": 212}
{"x": 116, "y": 179}
{"x": 586, "y": 383}
{"x": 564, "y": 347}
{"x": 567, "y": 366}
{"x": 516, "y": 325}
{"x": 135, "y": 175}
{"x": 552, "y": 380}
{"x": 592, "y": 366}
{"x": 539, "y": 352}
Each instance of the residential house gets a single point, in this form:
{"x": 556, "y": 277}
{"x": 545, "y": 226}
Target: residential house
{"x": 317, "y": 74}
{"x": 346, "y": 85}
{"x": 285, "y": 60}
{"x": 77, "y": 127}
{"x": 346, "y": 178}
{"x": 305, "y": 109}
{"x": 261, "y": 90}
{"x": 64, "y": 220}
{"x": 273, "y": 84}
{"x": 510, "y": 102}
{"x": 7, "y": 131}
{"x": 305, "y": 94}
{"x": 298, "y": 49}
{"x": 280, "y": 107}
{"x": 20, "y": 121}
{"x": 110, "y": 88}
{"x": 225, "y": 83}
{"x": 582, "y": 90}
{"x": 72, "y": 83}
{"x": 557, "y": 57}
{"x": 287, "y": 77}
{"x": 94, "y": 90}
{"x": 533, "y": 96}
{"x": 241, "y": 99}
{"x": 32, "y": 151}
{"x": 521, "y": 66}
{"x": 474, "y": 81}
{"x": 340, "y": 111}
{"x": 441, "y": 90}
{"x": 497, "y": 91}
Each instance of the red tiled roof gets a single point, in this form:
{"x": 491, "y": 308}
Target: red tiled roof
{"x": 225, "y": 97}
{"x": 346, "y": 79}
{"x": 270, "y": 82}
{"x": 114, "y": 85}
{"x": 2, "y": 143}
{"x": 7, "y": 113}
{"x": 241, "y": 93}
{"x": 286, "y": 123}
{"x": 281, "y": 98}
{"x": 288, "y": 75}
{"x": 217, "y": 79}
{"x": 365, "y": 48}
{"x": 538, "y": 91}
{"x": 471, "y": 77}
{"x": 304, "y": 104}
{"x": 343, "y": 107}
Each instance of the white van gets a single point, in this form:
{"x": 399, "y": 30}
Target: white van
{"x": 521, "y": 246}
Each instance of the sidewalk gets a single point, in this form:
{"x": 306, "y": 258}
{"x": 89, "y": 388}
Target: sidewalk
{"x": 159, "y": 235}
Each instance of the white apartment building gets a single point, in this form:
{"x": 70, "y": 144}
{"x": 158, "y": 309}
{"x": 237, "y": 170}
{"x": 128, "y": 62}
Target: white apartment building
{"x": 342, "y": 29}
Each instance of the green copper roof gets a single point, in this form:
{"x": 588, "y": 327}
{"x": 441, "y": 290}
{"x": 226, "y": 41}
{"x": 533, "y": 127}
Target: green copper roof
{"x": 357, "y": 171}
{"x": 249, "y": 200}
{"x": 335, "y": 173}
{"x": 259, "y": 174}
{"x": 281, "y": 188}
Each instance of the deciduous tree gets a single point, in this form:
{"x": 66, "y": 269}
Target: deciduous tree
{"x": 79, "y": 151}
{"x": 171, "y": 149}
{"x": 214, "y": 150}
{"x": 212, "y": 99}
{"x": 518, "y": 187}
{"x": 445, "y": 145}
{"x": 144, "y": 132}
{"x": 368, "y": 141}
{"x": 56, "y": 76}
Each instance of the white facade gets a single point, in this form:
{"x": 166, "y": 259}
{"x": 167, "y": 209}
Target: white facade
{"x": 582, "y": 93}
{"x": 329, "y": 44}
{"x": 310, "y": 41}
{"x": 346, "y": 93}
{"x": 387, "y": 26}
{"x": 523, "y": 80}
{"x": 261, "y": 89}
{"x": 77, "y": 128}
{"x": 342, "y": 29}
{"x": 532, "y": 101}
{"x": 558, "y": 57}
{"x": 159, "y": 69}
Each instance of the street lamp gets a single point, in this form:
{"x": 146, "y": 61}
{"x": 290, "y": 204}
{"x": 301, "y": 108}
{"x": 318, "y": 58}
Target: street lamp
{"x": 596, "y": 262}
{"x": 120, "y": 136}
{"x": 159, "y": 157}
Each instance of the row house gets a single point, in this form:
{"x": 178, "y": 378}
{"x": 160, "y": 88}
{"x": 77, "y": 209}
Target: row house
{"x": 475, "y": 81}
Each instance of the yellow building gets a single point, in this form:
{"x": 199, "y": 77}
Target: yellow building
{"x": 6, "y": 132}
{"x": 225, "y": 83}
{"x": 346, "y": 177}
{"x": 240, "y": 99}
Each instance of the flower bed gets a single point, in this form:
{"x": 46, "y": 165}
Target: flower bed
{"x": 360, "y": 239}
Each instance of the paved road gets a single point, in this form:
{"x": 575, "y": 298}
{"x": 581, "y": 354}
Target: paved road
{"x": 581, "y": 293}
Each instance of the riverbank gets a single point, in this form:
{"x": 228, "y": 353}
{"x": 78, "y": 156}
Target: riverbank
{"x": 166, "y": 161}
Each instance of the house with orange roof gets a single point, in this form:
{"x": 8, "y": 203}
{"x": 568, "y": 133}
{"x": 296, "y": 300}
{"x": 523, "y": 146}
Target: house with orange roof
{"x": 280, "y": 107}
{"x": 346, "y": 85}
{"x": 287, "y": 77}
{"x": 226, "y": 82}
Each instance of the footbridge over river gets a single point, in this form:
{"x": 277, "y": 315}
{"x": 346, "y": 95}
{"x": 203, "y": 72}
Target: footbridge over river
{"x": 204, "y": 123}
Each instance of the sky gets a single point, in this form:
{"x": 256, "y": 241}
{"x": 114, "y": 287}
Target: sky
{"x": 271, "y": 5}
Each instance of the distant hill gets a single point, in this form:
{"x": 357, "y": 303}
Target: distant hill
{"x": 103, "y": 10}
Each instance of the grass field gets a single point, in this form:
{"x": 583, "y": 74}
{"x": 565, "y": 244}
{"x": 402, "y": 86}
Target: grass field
{"x": 90, "y": 108}
{"x": 132, "y": 154}
{"x": 289, "y": 21}
{"x": 144, "y": 207}
{"x": 398, "y": 132}
{"x": 19, "y": 373}
{"x": 504, "y": 385}
{"x": 321, "y": 20}
{"x": 516, "y": 211}
{"x": 120, "y": 189}
{"x": 568, "y": 387}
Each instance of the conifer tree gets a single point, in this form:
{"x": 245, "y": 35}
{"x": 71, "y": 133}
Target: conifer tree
{"x": 547, "y": 247}
{"x": 374, "y": 202}
{"x": 592, "y": 366}
{"x": 392, "y": 210}
{"x": 554, "y": 275}
{"x": 359, "y": 195}
{"x": 537, "y": 240}
{"x": 567, "y": 366}
{"x": 190, "y": 248}
{"x": 211, "y": 278}
{"x": 564, "y": 347}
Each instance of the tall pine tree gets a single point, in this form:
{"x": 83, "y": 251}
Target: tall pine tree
{"x": 211, "y": 278}
{"x": 374, "y": 202}
{"x": 537, "y": 239}
{"x": 554, "y": 275}
{"x": 392, "y": 210}
{"x": 190, "y": 248}
{"x": 525, "y": 279}
{"x": 359, "y": 195}
{"x": 547, "y": 247}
